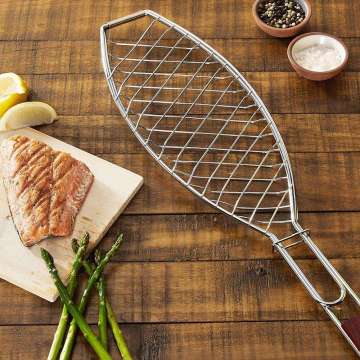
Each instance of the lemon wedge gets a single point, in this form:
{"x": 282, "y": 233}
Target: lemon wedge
{"x": 27, "y": 114}
{"x": 13, "y": 90}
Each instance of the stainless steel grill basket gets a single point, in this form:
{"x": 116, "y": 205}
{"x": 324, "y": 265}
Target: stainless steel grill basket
{"x": 204, "y": 124}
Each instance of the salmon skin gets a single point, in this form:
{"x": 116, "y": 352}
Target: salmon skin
{"x": 45, "y": 188}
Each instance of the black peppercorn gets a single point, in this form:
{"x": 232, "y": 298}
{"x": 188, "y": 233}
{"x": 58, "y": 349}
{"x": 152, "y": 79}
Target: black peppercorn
{"x": 281, "y": 13}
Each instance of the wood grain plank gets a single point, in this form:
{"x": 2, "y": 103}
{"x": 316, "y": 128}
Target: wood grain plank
{"x": 201, "y": 291}
{"x": 50, "y": 57}
{"x": 301, "y": 132}
{"x": 218, "y": 237}
{"x": 246, "y": 341}
{"x": 88, "y": 94}
{"x": 49, "y": 19}
{"x": 64, "y": 57}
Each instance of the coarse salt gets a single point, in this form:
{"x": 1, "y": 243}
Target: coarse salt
{"x": 318, "y": 58}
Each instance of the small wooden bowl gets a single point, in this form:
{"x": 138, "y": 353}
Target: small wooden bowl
{"x": 311, "y": 39}
{"x": 282, "y": 33}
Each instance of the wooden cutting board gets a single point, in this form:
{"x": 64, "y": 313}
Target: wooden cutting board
{"x": 112, "y": 190}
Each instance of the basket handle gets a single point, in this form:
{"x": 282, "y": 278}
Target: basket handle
{"x": 350, "y": 329}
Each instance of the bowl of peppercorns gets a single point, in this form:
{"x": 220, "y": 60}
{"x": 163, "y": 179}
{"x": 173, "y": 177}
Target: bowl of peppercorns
{"x": 281, "y": 18}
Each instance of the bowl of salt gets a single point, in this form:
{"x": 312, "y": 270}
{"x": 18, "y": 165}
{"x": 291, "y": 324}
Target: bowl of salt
{"x": 317, "y": 56}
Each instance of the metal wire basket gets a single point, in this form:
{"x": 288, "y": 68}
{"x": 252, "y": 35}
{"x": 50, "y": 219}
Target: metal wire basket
{"x": 203, "y": 123}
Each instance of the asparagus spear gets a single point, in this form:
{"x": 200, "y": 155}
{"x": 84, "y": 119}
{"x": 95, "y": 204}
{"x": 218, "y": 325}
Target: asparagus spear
{"x": 119, "y": 338}
{"x": 61, "y": 329}
{"x": 102, "y": 324}
{"x": 70, "y": 338}
{"x": 73, "y": 310}
{"x": 118, "y": 335}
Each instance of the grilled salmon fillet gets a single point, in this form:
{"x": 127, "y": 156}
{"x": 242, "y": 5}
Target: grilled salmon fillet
{"x": 45, "y": 188}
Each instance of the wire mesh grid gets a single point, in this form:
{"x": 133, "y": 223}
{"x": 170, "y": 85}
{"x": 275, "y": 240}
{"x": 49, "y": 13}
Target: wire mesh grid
{"x": 203, "y": 123}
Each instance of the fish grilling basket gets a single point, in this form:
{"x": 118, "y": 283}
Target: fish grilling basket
{"x": 204, "y": 124}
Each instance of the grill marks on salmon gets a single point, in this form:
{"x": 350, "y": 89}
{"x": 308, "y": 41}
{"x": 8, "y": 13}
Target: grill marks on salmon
{"x": 45, "y": 188}
{"x": 71, "y": 183}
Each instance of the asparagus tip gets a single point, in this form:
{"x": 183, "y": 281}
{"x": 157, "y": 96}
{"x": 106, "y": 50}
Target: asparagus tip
{"x": 46, "y": 256}
{"x": 74, "y": 245}
{"x": 98, "y": 255}
{"x": 85, "y": 239}
{"x": 119, "y": 240}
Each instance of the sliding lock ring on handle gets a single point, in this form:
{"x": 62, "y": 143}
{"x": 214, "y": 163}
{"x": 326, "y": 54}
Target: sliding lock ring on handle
{"x": 283, "y": 250}
{"x": 350, "y": 328}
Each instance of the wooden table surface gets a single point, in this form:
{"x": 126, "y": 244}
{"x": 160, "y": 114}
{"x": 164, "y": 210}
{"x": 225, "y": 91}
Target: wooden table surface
{"x": 191, "y": 283}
